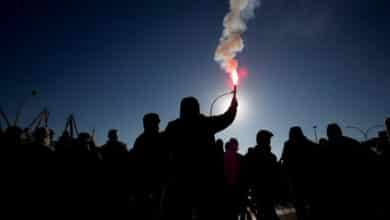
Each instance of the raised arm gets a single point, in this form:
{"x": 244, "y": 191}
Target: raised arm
{"x": 220, "y": 122}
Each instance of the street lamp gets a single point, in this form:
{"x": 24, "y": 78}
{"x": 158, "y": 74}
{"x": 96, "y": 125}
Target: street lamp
{"x": 365, "y": 132}
{"x": 315, "y": 132}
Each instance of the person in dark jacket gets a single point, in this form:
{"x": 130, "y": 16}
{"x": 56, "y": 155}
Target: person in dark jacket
{"x": 150, "y": 159}
{"x": 197, "y": 176}
{"x": 297, "y": 159}
{"x": 263, "y": 176}
{"x": 233, "y": 176}
{"x": 386, "y": 151}
{"x": 348, "y": 176}
{"x": 115, "y": 166}
{"x": 114, "y": 149}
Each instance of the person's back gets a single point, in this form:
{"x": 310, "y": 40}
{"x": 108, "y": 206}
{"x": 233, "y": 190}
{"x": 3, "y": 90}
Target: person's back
{"x": 297, "y": 160}
{"x": 115, "y": 147}
{"x": 149, "y": 153}
{"x": 297, "y": 152}
{"x": 234, "y": 189}
{"x": 194, "y": 155}
{"x": 191, "y": 138}
{"x": 264, "y": 175}
{"x": 263, "y": 165}
{"x": 232, "y": 163}
{"x": 386, "y": 148}
{"x": 348, "y": 173}
{"x": 114, "y": 151}
{"x": 149, "y": 167}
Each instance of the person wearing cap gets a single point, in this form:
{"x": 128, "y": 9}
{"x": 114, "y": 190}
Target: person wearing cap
{"x": 149, "y": 158}
{"x": 263, "y": 175}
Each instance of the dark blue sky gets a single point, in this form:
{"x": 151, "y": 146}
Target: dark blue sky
{"x": 310, "y": 62}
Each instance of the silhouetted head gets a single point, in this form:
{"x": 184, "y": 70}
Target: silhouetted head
{"x": 65, "y": 140}
{"x": 233, "y": 145}
{"x": 227, "y": 146}
{"x": 189, "y": 108}
{"x": 151, "y": 122}
{"x": 13, "y": 135}
{"x": 65, "y": 134}
{"x": 323, "y": 142}
{"x": 263, "y": 137}
{"x": 382, "y": 135}
{"x": 219, "y": 144}
{"x": 84, "y": 139}
{"x": 334, "y": 131}
{"x": 112, "y": 135}
{"x": 296, "y": 133}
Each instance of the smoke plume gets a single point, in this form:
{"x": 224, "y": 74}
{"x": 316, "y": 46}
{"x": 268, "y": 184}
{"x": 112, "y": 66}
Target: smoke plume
{"x": 234, "y": 24}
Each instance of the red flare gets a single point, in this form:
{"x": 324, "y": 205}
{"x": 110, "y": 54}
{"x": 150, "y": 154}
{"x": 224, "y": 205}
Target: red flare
{"x": 231, "y": 69}
{"x": 234, "y": 76}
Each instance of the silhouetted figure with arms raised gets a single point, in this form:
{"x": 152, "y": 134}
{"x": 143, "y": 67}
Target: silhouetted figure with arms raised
{"x": 197, "y": 179}
{"x": 263, "y": 177}
{"x": 297, "y": 159}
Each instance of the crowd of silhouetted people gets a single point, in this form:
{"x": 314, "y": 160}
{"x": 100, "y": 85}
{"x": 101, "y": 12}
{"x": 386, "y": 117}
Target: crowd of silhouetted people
{"x": 183, "y": 172}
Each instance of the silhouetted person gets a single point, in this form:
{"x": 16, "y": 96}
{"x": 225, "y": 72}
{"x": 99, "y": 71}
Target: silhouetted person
{"x": 150, "y": 164}
{"x": 86, "y": 172}
{"x": 42, "y": 140}
{"x": 233, "y": 186}
{"x": 348, "y": 176}
{"x": 116, "y": 172}
{"x": 64, "y": 145}
{"x": 384, "y": 174}
{"x": 386, "y": 150}
{"x": 2, "y": 136}
{"x": 12, "y": 138}
{"x": 38, "y": 160}
{"x": 378, "y": 144}
{"x": 219, "y": 147}
{"x": 297, "y": 156}
{"x": 114, "y": 150}
{"x": 197, "y": 176}
{"x": 321, "y": 165}
{"x": 264, "y": 175}
{"x": 323, "y": 142}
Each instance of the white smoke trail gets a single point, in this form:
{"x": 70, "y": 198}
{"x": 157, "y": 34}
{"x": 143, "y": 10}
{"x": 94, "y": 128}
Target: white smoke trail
{"x": 234, "y": 25}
